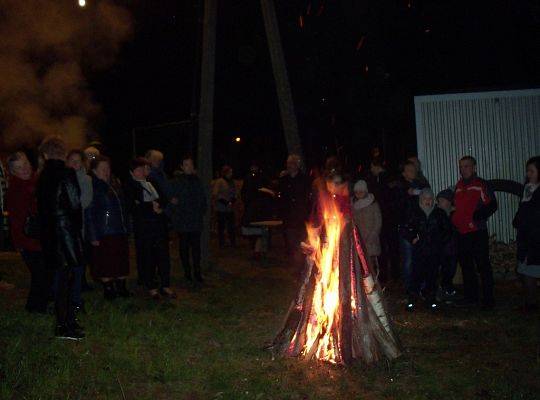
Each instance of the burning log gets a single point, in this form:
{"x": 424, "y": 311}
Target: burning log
{"x": 338, "y": 314}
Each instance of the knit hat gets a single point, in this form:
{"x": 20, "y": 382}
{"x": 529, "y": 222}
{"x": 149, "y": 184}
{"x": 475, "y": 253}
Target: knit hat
{"x": 360, "y": 186}
{"x": 138, "y": 162}
{"x": 446, "y": 194}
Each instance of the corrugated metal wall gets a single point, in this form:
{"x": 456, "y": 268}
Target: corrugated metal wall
{"x": 500, "y": 129}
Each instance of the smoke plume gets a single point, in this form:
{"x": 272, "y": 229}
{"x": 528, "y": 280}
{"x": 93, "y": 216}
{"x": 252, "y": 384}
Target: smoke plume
{"x": 45, "y": 48}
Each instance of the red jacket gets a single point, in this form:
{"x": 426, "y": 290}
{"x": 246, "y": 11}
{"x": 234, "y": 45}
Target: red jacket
{"x": 474, "y": 203}
{"x": 21, "y": 202}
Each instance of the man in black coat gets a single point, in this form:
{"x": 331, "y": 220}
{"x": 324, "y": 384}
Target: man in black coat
{"x": 294, "y": 205}
{"x": 186, "y": 211}
{"x": 60, "y": 216}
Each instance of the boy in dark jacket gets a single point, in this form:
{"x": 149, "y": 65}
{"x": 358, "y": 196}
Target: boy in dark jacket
{"x": 428, "y": 229}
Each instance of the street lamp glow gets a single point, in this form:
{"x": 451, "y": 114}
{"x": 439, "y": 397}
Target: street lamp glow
{"x": 238, "y": 139}
{"x": 82, "y": 3}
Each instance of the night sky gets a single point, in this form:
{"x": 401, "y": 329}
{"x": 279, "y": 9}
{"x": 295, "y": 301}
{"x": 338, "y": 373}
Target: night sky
{"x": 354, "y": 68}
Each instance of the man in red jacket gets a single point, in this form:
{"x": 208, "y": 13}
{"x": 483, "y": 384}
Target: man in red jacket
{"x": 474, "y": 203}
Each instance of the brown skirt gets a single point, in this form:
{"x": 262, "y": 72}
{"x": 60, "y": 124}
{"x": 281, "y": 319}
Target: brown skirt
{"x": 111, "y": 258}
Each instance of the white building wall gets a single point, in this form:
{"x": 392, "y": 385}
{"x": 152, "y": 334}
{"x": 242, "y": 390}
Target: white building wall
{"x": 500, "y": 129}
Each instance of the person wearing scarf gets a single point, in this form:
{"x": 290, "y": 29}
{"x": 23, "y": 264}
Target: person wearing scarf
{"x": 368, "y": 219}
{"x": 527, "y": 223}
{"x": 146, "y": 206}
{"x": 428, "y": 229}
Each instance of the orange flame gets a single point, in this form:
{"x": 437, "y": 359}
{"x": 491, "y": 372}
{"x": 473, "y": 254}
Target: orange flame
{"x": 323, "y": 326}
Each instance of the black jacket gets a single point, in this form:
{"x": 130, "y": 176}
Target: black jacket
{"x": 294, "y": 200}
{"x": 105, "y": 215}
{"x": 403, "y": 202}
{"x": 146, "y": 222}
{"x": 527, "y": 223}
{"x": 187, "y": 215}
{"x": 60, "y": 215}
{"x": 433, "y": 231}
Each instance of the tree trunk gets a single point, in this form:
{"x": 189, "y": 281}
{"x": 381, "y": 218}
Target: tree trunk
{"x": 286, "y": 105}
{"x": 206, "y": 116}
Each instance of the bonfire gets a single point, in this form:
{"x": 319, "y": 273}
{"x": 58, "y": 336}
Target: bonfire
{"x": 338, "y": 314}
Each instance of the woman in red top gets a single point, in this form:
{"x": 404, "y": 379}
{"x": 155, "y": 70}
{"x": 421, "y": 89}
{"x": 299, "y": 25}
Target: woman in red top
{"x": 21, "y": 203}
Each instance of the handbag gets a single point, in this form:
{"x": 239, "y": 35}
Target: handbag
{"x": 31, "y": 227}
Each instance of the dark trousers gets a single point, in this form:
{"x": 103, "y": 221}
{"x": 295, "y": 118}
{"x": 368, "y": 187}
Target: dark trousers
{"x": 225, "y": 220}
{"x": 41, "y": 279}
{"x": 407, "y": 262}
{"x": 448, "y": 271}
{"x": 473, "y": 256}
{"x": 189, "y": 244}
{"x": 152, "y": 255}
{"x": 424, "y": 274}
{"x": 389, "y": 259}
{"x": 63, "y": 303}
{"x": 293, "y": 237}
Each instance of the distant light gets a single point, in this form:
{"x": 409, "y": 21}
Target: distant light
{"x": 427, "y": 30}
{"x": 238, "y": 139}
{"x": 82, "y": 3}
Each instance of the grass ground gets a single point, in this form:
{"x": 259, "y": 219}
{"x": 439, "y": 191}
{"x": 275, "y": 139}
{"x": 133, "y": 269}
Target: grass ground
{"x": 208, "y": 344}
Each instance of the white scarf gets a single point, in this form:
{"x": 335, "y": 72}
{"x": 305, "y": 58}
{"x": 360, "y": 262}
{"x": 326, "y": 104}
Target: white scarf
{"x": 149, "y": 193}
{"x": 363, "y": 203}
{"x": 528, "y": 191}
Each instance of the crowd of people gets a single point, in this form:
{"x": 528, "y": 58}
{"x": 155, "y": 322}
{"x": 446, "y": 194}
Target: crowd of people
{"x": 72, "y": 213}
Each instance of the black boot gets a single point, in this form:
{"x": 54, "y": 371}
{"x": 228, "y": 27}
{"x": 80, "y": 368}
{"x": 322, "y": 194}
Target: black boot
{"x": 121, "y": 289}
{"x": 108, "y": 290}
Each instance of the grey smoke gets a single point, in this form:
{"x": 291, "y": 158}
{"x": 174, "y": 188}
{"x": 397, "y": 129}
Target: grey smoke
{"x": 45, "y": 45}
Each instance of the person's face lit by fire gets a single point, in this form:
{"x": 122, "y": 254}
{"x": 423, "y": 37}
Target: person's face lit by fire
{"x": 22, "y": 168}
{"x": 410, "y": 172}
{"x": 427, "y": 201}
{"x": 156, "y": 159}
{"x": 467, "y": 169}
{"x": 336, "y": 186}
{"x": 103, "y": 171}
{"x": 532, "y": 174}
{"x": 360, "y": 194}
{"x": 74, "y": 161}
{"x": 445, "y": 204}
{"x": 187, "y": 166}
{"x": 141, "y": 173}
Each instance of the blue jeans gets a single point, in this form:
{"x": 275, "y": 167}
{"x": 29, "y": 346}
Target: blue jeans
{"x": 406, "y": 251}
{"x": 76, "y": 298}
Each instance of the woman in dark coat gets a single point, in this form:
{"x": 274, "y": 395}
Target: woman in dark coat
{"x": 106, "y": 231}
{"x": 427, "y": 228}
{"x": 527, "y": 223}
{"x": 21, "y": 204}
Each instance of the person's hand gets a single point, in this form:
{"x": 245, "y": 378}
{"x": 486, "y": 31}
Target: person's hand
{"x": 174, "y": 200}
{"x": 95, "y": 243}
